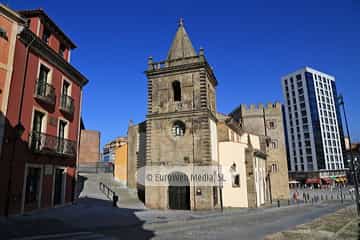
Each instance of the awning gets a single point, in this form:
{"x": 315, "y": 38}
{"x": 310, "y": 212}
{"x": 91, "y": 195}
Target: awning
{"x": 341, "y": 179}
{"x": 327, "y": 180}
{"x": 313, "y": 181}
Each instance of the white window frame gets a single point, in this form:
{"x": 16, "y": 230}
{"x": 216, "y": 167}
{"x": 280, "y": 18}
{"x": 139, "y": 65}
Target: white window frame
{"x": 49, "y": 79}
{"x": 44, "y": 120}
{"x": 64, "y": 79}
{"x": 66, "y": 134}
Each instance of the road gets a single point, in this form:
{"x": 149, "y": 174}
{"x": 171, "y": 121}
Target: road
{"x": 97, "y": 219}
{"x": 253, "y": 225}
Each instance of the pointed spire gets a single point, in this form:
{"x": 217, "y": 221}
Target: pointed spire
{"x": 181, "y": 46}
{"x": 181, "y": 22}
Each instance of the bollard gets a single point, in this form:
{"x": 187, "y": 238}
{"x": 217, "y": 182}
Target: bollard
{"x": 115, "y": 200}
{"x": 278, "y": 203}
{"x": 289, "y": 202}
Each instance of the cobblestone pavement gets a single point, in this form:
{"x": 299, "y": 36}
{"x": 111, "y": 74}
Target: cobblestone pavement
{"x": 341, "y": 225}
{"x": 97, "y": 219}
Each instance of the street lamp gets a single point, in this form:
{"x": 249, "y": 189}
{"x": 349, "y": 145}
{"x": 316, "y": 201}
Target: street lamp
{"x": 352, "y": 165}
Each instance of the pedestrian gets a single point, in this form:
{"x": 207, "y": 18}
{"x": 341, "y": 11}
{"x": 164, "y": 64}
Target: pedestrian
{"x": 295, "y": 197}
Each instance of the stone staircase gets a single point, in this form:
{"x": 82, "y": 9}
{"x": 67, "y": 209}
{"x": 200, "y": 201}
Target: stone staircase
{"x": 90, "y": 188}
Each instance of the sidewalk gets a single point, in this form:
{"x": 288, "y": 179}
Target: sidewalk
{"x": 340, "y": 225}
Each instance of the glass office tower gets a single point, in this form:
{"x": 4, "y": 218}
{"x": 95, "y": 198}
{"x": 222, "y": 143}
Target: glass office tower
{"x": 313, "y": 121}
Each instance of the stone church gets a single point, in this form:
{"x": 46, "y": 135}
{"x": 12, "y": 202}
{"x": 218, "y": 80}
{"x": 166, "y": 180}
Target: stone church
{"x": 184, "y": 129}
{"x": 181, "y": 122}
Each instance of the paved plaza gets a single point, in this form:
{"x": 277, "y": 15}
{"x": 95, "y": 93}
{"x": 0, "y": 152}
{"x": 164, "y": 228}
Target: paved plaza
{"x": 96, "y": 219}
{"x": 340, "y": 225}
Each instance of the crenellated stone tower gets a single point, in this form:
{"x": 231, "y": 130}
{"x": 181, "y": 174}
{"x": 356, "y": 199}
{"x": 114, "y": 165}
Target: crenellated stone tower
{"x": 268, "y": 122}
{"x": 181, "y": 122}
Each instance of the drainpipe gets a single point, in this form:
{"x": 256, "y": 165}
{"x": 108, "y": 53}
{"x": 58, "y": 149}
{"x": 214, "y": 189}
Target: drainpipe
{"x": 75, "y": 190}
{"x": 19, "y": 127}
{"x": 266, "y": 165}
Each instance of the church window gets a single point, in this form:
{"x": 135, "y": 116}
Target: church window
{"x": 177, "y": 91}
{"x": 235, "y": 177}
{"x": 274, "y": 167}
{"x": 273, "y": 144}
{"x": 271, "y": 124}
{"x": 236, "y": 182}
{"x": 178, "y": 128}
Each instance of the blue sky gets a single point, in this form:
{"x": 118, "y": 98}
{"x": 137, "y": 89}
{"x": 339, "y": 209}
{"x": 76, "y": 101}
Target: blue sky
{"x": 250, "y": 46}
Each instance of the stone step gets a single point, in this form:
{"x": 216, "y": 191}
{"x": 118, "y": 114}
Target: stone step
{"x": 127, "y": 197}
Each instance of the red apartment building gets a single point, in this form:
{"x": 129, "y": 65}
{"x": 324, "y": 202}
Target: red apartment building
{"x": 40, "y": 98}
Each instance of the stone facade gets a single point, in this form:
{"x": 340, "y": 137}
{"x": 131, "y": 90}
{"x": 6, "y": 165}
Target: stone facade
{"x": 181, "y": 119}
{"x": 136, "y": 152}
{"x": 267, "y": 121}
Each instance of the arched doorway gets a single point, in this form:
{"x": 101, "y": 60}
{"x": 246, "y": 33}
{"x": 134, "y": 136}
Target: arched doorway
{"x": 179, "y": 191}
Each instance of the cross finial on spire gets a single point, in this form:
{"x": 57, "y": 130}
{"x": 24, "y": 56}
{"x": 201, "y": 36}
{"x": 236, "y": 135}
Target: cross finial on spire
{"x": 181, "y": 22}
{"x": 181, "y": 46}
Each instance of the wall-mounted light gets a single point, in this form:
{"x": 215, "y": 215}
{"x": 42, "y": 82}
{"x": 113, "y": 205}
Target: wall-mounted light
{"x": 198, "y": 191}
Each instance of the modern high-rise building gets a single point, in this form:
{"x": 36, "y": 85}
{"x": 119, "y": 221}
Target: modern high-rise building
{"x": 313, "y": 123}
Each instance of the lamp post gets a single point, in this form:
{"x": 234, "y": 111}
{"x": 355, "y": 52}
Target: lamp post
{"x": 269, "y": 180}
{"x": 352, "y": 165}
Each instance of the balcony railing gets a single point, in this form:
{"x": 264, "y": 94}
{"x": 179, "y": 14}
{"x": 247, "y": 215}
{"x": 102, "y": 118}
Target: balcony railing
{"x": 48, "y": 144}
{"x": 45, "y": 92}
{"x": 67, "y": 104}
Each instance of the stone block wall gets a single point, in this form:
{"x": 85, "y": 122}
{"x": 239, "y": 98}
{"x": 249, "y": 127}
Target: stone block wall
{"x": 268, "y": 122}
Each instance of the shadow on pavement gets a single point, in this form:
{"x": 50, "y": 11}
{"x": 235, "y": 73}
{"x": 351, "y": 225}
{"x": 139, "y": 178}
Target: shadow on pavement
{"x": 87, "y": 215}
{"x": 81, "y": 185}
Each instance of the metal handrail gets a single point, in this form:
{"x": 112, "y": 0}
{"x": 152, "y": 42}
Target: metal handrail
{"x": 45, "y": 143}
{"x": 45, "y": 91}
{"x": 110, "y": 194}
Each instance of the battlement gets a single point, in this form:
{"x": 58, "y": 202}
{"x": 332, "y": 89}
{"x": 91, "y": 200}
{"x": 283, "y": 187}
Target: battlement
{"x": 173, "y": 62}
{"x": 253, "y": 108}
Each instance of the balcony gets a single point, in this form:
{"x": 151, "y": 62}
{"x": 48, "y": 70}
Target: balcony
{"x": 48, "y": 144}
{"x": 45, "y": 92}
{"x": 67, "y": 104}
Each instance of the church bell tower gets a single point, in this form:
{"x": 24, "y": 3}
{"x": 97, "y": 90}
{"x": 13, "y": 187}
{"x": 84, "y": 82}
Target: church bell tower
{"x": 181, "y": 122}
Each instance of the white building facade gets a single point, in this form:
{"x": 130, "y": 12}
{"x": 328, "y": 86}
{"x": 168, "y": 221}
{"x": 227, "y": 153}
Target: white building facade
{"x": 313, "y": 122}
